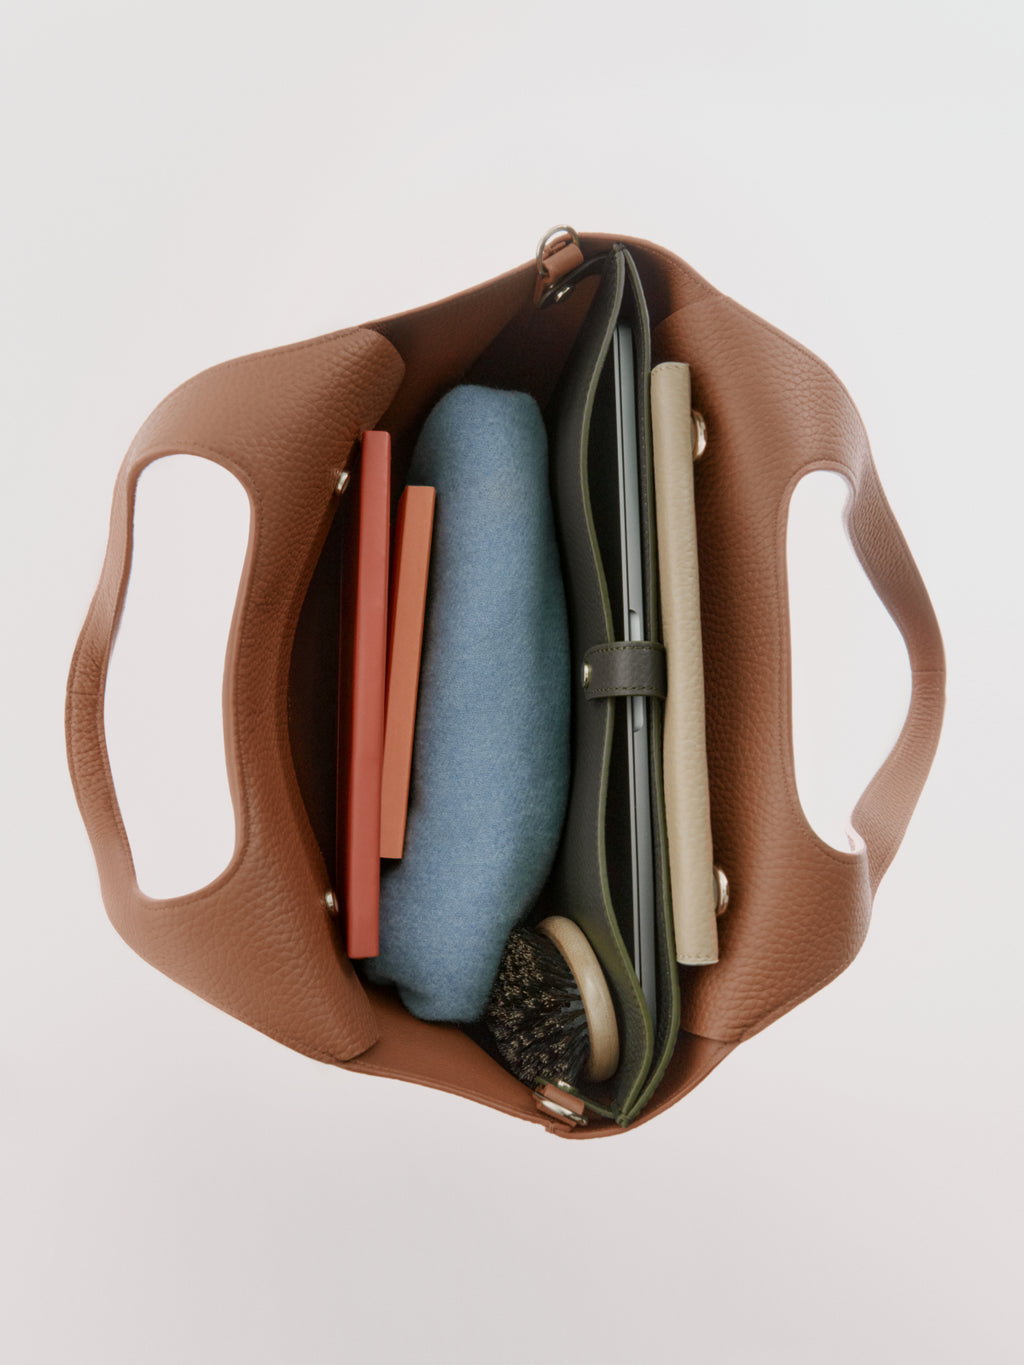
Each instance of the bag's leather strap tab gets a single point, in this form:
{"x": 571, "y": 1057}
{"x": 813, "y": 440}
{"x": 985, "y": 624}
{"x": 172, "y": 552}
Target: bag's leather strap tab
{"x": 627, "y": 668}
{"x": 557, "y": 255}
{"x": 561, "y": 1103}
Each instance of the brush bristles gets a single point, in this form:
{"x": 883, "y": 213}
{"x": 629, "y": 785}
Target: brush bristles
{"x": 535, "y": 1013}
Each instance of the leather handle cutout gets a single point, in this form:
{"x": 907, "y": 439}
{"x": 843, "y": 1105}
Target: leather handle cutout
{"x": 799, "y": 909}
{"x": 764, "y": 444}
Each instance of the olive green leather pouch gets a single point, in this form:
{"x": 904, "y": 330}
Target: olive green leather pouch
{"x": 592, "y": 878}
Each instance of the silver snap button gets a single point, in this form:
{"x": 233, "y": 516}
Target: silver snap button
{"x": 700, "y": 434}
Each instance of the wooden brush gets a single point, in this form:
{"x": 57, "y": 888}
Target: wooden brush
{"x": 550, "y": 1012}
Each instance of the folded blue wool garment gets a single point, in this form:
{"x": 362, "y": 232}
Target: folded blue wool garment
{"x": 490, "y": 774}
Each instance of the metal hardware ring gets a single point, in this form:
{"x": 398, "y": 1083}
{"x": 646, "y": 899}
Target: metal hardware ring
{"x": 551, "y": 233}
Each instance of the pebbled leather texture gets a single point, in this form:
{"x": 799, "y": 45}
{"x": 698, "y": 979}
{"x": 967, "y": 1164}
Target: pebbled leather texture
{"x": 626, "y": 668}
{"x": 257, "y": 942}
{"x": 798, "y": 909}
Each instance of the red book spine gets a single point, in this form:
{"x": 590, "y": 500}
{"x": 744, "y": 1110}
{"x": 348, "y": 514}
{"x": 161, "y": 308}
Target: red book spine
{"x": 366, "y": 712}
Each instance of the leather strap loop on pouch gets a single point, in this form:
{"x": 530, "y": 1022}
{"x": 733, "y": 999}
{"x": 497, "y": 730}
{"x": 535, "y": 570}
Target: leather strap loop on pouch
{"x": 626, "y": 668}
{"x": 258, "y": 941}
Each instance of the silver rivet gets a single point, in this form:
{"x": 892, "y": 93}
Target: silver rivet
{"x": 700, "y": 434}
{"x": 331, "y": 903}
{"x": 722, "y": 888}
{"x": 342, "y": 482}
{"x": 586, "y": 675}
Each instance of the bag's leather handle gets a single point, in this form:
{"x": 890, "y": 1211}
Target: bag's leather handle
{"x": 799, "y": 909}
{"x": 883, "y": 812}
{"x": 814, "y": 425}
{"x": 258, "y": 941}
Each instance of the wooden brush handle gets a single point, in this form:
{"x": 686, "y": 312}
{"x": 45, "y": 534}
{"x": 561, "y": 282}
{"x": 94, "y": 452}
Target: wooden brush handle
{"x": 572, "y": 943}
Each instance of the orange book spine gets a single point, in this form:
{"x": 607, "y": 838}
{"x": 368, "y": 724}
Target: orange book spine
{"x": 413, "y": 534}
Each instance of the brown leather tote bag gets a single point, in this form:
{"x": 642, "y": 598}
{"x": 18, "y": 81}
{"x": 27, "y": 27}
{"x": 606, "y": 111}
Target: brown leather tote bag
{"x": 262, "y": 940}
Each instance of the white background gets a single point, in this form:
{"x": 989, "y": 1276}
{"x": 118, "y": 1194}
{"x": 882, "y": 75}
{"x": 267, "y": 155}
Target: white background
{"x": 185, "y": 183}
